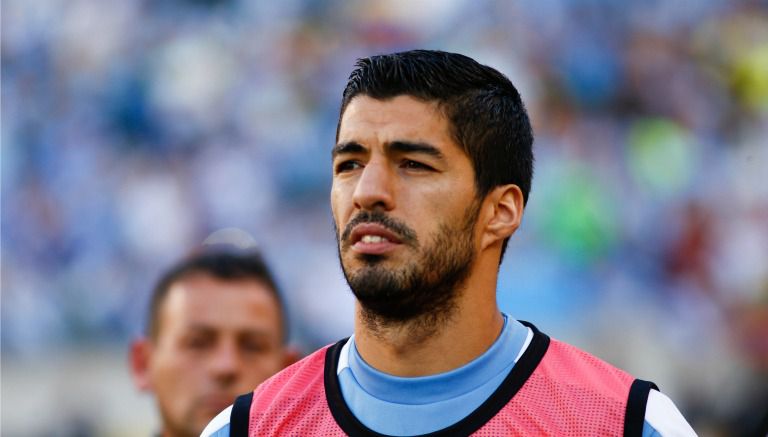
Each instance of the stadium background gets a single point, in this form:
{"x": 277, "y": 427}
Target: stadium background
{"x": 134, "y": 130}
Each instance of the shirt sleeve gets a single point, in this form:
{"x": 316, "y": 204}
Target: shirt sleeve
{"x": 663, "y": 419}
{"x": 219, "y": 426}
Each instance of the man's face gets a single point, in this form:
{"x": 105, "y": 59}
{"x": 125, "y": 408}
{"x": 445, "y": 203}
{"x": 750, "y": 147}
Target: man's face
{"x": 404, "y": 206}
{"x": 216, "y": 340}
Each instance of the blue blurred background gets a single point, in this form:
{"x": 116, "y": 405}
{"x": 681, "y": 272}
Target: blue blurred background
{"x": 132, "y": 131}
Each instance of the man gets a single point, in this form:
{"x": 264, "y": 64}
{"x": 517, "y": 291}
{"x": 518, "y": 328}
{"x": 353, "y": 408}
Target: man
{"x": 216, "y": 329}
{"x": 431, "y": 172}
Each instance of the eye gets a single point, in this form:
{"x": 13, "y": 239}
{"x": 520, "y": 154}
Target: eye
{"x": 345, "y": 166}
{"x": 199, "y": 342}
{"x": 415, "y": 165}
{"x": 255, "y": 346}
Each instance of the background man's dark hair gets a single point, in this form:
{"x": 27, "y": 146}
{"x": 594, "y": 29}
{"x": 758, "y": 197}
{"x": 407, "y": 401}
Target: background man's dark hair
{"x": 224, "y": 263}
{"x": 487, "y": 116}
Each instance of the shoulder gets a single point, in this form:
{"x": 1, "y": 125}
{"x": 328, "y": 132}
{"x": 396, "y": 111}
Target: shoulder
{"x": 294, "y": 401}
{"x": 662, "y": 418}
{"x": 573, "y": 364}
{"x": 288, "y": 383}
{"x": 301, "y": 379}
{"x": 583, "y": 375}
{"x": 308, "y": 367}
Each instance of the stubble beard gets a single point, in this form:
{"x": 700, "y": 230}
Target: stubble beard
{"x": 419, "y": 297}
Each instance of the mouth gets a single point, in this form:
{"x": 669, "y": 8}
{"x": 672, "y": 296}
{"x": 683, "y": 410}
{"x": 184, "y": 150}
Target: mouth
{"x": 373, "y": 239}
{"x": 216, "y": 403}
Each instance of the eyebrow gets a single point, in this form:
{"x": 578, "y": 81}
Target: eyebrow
{"x": 349, "y": 147}
{"x": 202, "y": 328}
{"x": 411, "y": 147}
{"x": 394, "y": 146}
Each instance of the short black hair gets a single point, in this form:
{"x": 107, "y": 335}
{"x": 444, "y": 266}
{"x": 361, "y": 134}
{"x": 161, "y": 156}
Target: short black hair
{"x": 221, "y": 262}
{"x": 486, "y": 114}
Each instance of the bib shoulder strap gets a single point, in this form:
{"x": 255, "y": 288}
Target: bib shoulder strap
{"x": 634, "y": 418}
{"x": 240, "y": 416}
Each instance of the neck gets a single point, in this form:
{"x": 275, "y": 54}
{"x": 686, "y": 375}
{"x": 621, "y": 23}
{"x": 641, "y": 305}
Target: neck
{"x": 431, "y": 344}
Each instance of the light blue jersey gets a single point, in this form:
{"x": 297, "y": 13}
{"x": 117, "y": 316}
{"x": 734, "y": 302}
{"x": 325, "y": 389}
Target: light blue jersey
{"x": 401, "y": 406}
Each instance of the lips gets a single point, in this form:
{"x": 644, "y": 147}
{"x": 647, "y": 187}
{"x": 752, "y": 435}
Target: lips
{"x": 373, "y": 239}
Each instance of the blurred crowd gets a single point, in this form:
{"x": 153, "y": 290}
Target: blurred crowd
{"x": 134, "y": 130}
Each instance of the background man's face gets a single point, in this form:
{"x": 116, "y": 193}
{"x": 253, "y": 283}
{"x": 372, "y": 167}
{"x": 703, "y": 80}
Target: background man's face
{"x": 404, "y": 205}
{"x": 216, "y": 340}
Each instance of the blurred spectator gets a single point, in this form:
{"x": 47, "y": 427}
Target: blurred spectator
{"x": 216, "y": 328}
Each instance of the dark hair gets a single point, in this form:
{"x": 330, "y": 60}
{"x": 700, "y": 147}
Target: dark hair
{"x": 484, "y": 109}
{"x": 225, "y": 263}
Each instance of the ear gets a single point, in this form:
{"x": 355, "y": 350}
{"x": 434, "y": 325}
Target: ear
{"x": 140, "y": 353}
{"x": 503, "y": 207}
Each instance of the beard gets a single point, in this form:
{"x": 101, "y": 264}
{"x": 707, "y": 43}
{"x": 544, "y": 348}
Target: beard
{"x": 424, "y": 290}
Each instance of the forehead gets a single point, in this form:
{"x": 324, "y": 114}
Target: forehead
{"x": 403, "y": 117}
{"x": 202, "y": 300}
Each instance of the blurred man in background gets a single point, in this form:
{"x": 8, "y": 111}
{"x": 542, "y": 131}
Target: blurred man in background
{"x": 216, "y": 328}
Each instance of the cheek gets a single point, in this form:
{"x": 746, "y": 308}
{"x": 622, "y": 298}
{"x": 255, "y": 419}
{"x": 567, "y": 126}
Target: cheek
{"x": 175, "y": 370}
{"x": 259, "y": 369}
{"x": 176, "y": 387}
{"x": 337, "y": 209}
{"x": 449, "y": 208}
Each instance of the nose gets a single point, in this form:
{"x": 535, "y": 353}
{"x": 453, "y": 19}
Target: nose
{"x": 225, "y": 364}
{"x": 374, "y": 188}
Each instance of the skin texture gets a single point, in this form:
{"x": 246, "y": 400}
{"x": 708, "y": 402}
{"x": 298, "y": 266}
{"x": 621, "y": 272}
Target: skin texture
{"x": 424, "y": 192}
{"x": 217, "y": 339}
